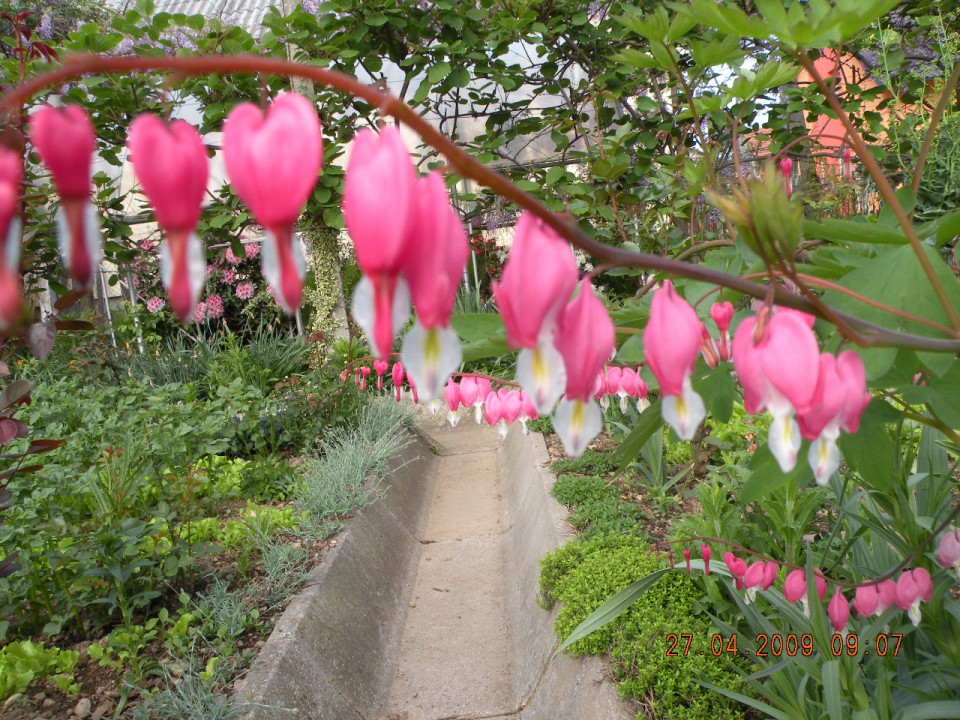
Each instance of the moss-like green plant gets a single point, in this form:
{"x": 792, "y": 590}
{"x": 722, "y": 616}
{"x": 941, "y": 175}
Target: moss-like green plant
{"x": 591, "y": 462}
{"x": 585, "y": 573}
{"x": 596, "y": 507}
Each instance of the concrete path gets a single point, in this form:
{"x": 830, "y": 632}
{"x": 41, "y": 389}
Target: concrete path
{"x": 455, "y": 654}
{"x": 426, "y": 609}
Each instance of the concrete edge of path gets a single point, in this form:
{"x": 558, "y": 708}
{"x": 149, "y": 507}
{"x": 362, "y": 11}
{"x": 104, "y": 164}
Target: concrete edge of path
{"x": 337, "y": 641}
{"x": 562, "y": 687}
{"x": 335, "y": 648}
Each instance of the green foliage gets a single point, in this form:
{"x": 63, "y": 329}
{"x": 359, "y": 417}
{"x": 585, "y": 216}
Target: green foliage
{"x": 584, "y": 573}
{"x": 23, "y": 662}
{"x": 592, "y": 462}
{"x": 597, "y": 506}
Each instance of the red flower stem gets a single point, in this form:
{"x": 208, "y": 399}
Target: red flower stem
{"x": 79, "y": 65}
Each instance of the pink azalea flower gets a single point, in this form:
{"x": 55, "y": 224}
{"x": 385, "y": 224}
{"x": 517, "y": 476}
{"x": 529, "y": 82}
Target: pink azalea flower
{"x": 244, "y": 291}
{"x": 200, "y": 312}
{"x": 170, "y": 162}
{"x": 11, "y": 176}
{"x": 380, "y": 209}
{"x": 433, "y": 266}
{"x": 214, "y": 306}
{"x": 229, "y": 276}
{"x": 272, "y": 160}
{"x": 251, "y": 250}
{"x": 155, "y": 304}
{"x": 585, "y": 341}
{"x": 231, "y": 258}
{"x": 671, "y": 343}
{"x": 538, "y": 278}
{"x": 65, "y": 140}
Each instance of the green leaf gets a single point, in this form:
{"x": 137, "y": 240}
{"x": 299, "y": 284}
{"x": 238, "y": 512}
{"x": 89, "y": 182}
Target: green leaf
{"x": 937, "y": 710}
{"x": 871, "y": 451}
{"x": 473, "y": 327}
{"x": 438, "y": 72}
{"x": 632, "y": 350}
{"x": 376, "y": 20}
{"x": 853, "y": 231}
{"x": 719, "y": 392}
{"x": 333, "y": 218}
{"x": 650, "y": 421}
{"x": 746, "y": 700}
{"x": 612, "y": 608}
{"x": 767, "y": 477}
{"x": 830, "y": 675}
{"x": 460, "y": 77}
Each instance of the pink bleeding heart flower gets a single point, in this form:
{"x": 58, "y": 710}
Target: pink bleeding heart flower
{"x": 722, "y": 314}
{"x": 709, "y": 349}
{"x": 493, "y": 413}
{"x": 948, "y": 551}
{"x": 838, "y": 610}
{"x": 453, "y": 397}
{"x": 413, "y": 389}
{"x": 840, "y": 399}
{"x": 759, "y": 576}
{"x": 913, "y": 587}
{"x": 737, "y": 567}
{"x": 170, "y": 162}
{"x": 436, "y": 257}
{"x": 705, "y": 552}
{"x": 786, "y": 169}
{"x": 469, "y": 390}
{"x": 779, "y": 374}
{"x": 527, "y": 411}
{"x": 628, "y": 387}
{"x": 272, "y": 160}
{"x": 612, "y": 379}
{"x": 600, "y": 390}
{"x": 795, "y": 588}
{"x": 380, "y": 367}
{"x": 511, "y": 406}
{"x": 585, "y": 341}
{"x": 538, "y": 278}
{"x": 66, "y": 142}
{"x": 365, "y": 373}
{"x": 687, "y": 554}
{"x": 875, "y": 598}
{"x": 671, "y": 343}
{"x": 396, "y": 374}
{"x": 11, "y": 177}
{"x": 847, "y": 164}
{"x": 380, "y": 210}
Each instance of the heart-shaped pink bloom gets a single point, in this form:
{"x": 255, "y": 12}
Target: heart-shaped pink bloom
{"x": 614, "y": 376}
{"x": 628, "y": 382}
{"x": 436, "y": 255}
{"x": 827, "y": 402}
{"x": 853, "y": 376}
{"x": 760, "y": 574}
{"x": 948, "y": 551}
{"x": 492, "y": 410}
{"x": 483, "y": 389}
{"x": 722, "y": 314}
{"x": 272, "y": 161}
{"x": 170, "y": 162}
{"x": 528, "y": 411}
{"x": 396, "y": 374}
{"x": 795, "y": 586}
{"x": 913, "y": 585}
{"x": 66, "y": 142}
{"x": 838, "y": 610}
{"x": 671, "y": 340}
{"x": 737, "y": 567}
{"x": 791, "y": 359}
{"x": 538, "y": 278}
{"x": 511, "y": 405}
{"x": 11, "y": 176}
{"x": 469, "y": 391}
{"x": 452, "y": 395}
{"x": 585, "y": 340}
{"x": 379, "y": 206}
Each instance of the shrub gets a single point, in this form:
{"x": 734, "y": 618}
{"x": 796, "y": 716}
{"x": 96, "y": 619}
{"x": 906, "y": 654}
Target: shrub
{"x": 585, "y": 573}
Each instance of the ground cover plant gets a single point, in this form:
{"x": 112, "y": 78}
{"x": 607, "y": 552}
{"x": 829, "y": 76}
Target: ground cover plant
{"x": 764, "y": 229}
